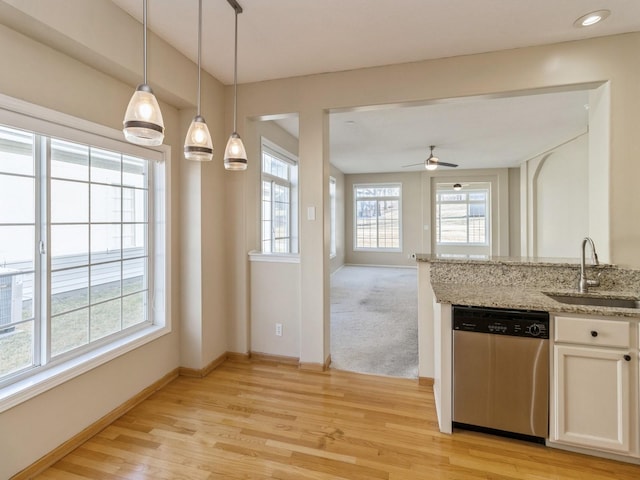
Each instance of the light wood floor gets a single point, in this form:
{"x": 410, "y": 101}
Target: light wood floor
{"x": 260, "y": 420}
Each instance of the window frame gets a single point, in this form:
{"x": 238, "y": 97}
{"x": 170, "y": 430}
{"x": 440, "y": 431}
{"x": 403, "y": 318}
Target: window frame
{"x": 37, "y": 379}
{"x": 377, "y": 198}
{"x": 291, "y": 160}
{"x": 332, "y": 217}
{"x": 467, "y": 202}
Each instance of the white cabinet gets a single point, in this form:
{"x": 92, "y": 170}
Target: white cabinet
{"x": 594, "y": 390}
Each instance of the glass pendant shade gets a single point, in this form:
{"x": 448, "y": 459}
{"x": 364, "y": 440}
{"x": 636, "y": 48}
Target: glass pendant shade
{"x": 431, "y": 163}
{"x": 143, "y": 124}
{"x": 198, "y": 145}
{"x": 235, "y": 156}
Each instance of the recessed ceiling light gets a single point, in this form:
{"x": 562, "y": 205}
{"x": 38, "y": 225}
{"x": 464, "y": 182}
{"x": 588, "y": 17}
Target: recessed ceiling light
{"x": 591, "y": 18}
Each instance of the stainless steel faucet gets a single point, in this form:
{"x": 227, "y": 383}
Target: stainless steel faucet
{"x": 585, "y": 283}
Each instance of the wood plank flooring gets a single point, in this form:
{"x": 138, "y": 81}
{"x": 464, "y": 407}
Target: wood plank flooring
{"x": 259, "y": 420}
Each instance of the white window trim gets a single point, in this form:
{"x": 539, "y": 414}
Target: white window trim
{"x": 487, "y": 220}
{"x": 333, "y": 245}
{"x": 355, "y": 217}
{"x": 291, "y": 159}
{"x": 21, "y": 114}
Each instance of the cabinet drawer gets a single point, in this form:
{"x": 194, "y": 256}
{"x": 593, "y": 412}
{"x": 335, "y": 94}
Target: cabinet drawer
{"x": 591, "y": 331}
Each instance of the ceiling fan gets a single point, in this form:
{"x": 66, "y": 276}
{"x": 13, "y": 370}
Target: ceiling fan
{"x": 432, "y": 162}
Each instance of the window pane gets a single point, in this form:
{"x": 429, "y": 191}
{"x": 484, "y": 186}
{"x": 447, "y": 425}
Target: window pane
{"x": 17, "y": 247}
{"x": 134, "y": 172}
{"x": 133, "y": 275}
{"x": 453, "y": 223}
{"x": 69, "y": 202}
{"x": 16, "y": 151}
{"x": 134, "y": 309}
{"x": 105, "y": 167}
{"x": 11, "y": 294}
{"x": 105, "y": 242}
{"x": 26, "y": 300}
{"x": 134, "y": 240}
{"x": 105, "y": 204}
{"x": 388, "y": 224}
{"x": 69, "y": 290}
{"x": 105, "y": 282}
{"x": 17, "y": 201}
{"x": 105, "y": 319}
{"x": 134, "y": 205}
{"x": 16, "y": 347}
{"x": 69, "y": 246}
{"x": 69, "y": 160}
{"x": 69, "y": 331}
{"x": 366, "y": 224}
{"x": 274, "y": 166}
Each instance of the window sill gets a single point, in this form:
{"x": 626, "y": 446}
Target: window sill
{"x": 379, "y": 250}
{"x": 49, "y": 378}
{"x": 255, "y": 256}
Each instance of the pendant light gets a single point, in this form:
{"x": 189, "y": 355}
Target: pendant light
{"x": 431, "y": 163}
{"x": 235, "y": 156}
{"x": 198, "y": 145}
{"x": 143, "y": 124}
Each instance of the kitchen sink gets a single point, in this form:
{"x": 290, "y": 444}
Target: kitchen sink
{"x": 610, "y": 301}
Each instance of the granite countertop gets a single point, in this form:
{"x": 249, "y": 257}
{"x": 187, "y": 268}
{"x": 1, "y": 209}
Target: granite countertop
{"x": 496, "y": 260}
{"x": 526, "y": 298}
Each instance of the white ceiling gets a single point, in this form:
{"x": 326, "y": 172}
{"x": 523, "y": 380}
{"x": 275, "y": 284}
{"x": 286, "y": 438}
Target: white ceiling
{"x": 284, "y": 38}
{"x": 473, "y": 133}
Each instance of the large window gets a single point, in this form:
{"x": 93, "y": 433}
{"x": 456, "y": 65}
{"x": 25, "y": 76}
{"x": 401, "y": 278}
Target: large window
{"x": 377, "y": 216}
{"x": 279, "y": 200}
{"x": 76, "y": 248}
{"x": 462, "y": 216}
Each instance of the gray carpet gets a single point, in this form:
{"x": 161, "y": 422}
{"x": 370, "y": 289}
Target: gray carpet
{"x": 374, "y": 321}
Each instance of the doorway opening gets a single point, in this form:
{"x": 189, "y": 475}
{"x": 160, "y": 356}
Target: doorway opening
{"x": 374, "y": 320}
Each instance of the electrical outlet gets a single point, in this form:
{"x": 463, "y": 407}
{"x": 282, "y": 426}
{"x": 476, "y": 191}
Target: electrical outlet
{"x": 278, "y": 329}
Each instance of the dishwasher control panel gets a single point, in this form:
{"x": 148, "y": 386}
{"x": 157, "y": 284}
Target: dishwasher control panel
{"x": 518, "y": 323}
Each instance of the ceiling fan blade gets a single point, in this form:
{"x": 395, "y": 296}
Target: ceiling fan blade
{"x": 445, "y": 164}
{"x": 413, "y": 165}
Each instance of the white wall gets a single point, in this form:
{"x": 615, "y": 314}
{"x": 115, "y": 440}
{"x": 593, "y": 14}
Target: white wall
{"x": 562, "y": 201}
{"x": 514, "y": 212}
{"x": 275, "y": 298}
{"x": 338, "y": 261}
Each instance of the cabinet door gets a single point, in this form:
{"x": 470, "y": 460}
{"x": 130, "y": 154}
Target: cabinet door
{"x": 591, "y": 397}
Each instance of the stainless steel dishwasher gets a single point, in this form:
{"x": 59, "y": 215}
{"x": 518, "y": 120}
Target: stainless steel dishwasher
{"x": 501, "y": 371}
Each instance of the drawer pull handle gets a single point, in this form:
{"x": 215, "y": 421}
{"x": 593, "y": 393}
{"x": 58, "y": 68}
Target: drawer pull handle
{"x": 594, "y": 333}
{"x": 627, "y": 358}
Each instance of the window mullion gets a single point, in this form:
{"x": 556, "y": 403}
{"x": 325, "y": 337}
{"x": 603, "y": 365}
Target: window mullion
{"x": 289, "y": 217}
{"x": 44, "y": 254}
{"x": 273, "y": 217}
{"x": 377, "y": 223}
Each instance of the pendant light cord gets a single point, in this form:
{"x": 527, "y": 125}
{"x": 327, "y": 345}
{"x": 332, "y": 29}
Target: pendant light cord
{"x": 144, "y": 41}
{"x": 235, "y": 78}
{"x": 199, "y": 48}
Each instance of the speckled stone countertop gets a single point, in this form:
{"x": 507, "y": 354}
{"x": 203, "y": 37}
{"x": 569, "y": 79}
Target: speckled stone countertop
{"x": 520, "y": 283}
{"x": 526, "y": 299}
